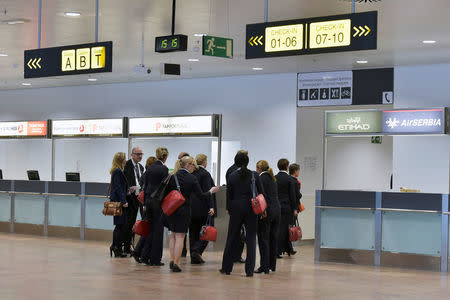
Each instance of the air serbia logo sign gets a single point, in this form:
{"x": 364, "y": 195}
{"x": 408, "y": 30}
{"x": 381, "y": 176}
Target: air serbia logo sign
{"x": 414, "y": 121}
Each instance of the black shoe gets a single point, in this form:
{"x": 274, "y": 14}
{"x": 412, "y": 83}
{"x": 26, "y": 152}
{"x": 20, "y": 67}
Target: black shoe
{"x": 171, "y": 264}
{"x": 222, "y": 271}
{"x": 127, "y": 251}
{"x": 196, "y": 258}
{"x": 159, "y": 264}
{"x": 145, "y": 261}
{"x": 176, "y": 268}
{"x": 117, "y": 252}
{"x": 249, "y": 275}
{"x": 259, "y": 271}
{"x": 292, "y": 252}
{"x": 272, "y": 269}
{"x": 136, "y": 257}
{"x": 240, "y": 260}
{"x": 279, "y": 256}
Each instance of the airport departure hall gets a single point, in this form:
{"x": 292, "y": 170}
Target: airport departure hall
{"x": 226, "y": 149}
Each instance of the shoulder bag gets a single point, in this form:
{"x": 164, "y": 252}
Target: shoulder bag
{"x": 208, "y": 232}
{"x": 111, "y": 208}
{"x": 158, "y": 195}
{"x": 173, "y": 200}
{"x": 259, "y": 203}
{"x": 295, "y": 231}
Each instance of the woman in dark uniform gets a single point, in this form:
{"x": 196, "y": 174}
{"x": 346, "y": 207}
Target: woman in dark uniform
{"x": 239, "y": 194}
{"x": 118, "y": 193}
{"x": 178, "y": 222}
{"x": 268, "y": 227}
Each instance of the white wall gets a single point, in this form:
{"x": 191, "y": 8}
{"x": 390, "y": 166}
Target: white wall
{"x": 422, "y": 162}
{"x": 259, "y": 112}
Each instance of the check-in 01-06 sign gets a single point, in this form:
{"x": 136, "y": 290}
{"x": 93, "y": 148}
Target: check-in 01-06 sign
{"x": 339, "y": 33}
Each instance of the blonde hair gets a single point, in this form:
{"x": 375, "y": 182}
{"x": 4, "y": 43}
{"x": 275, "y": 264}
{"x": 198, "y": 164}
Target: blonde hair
{"x": 183, "y": 162}
{"x": 117, "y": 162}
{"x": 149, "y": 161}
{"x": 264, "y": 166}
{"x": 200, "y": 159}
{"x": 161, "y": 153}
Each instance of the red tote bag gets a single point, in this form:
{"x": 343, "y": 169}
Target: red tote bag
{"x": 208, "y": 232}
{"x": 295, "y": 232}
{"x": 142, "y": 228}
{"x": 173, "y": 200}
{"x": 259, "y": 203}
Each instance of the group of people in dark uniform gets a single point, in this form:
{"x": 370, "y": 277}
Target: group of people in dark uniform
{"x": 190, "y": 177}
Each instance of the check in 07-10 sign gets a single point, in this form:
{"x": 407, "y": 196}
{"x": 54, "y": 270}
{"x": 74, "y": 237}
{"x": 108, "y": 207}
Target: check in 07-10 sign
{"x": 339, "y": 33}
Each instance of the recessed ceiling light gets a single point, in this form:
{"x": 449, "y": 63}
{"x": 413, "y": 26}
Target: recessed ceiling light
{"x": 257, "y": 69}
{"x": 429, "y": 42}
{"x": 361, "y": 61}
{"x": 72, "y": 14}
{"x": 199, "y": 34}
{"x": 14, "y": 21}
{"x": 92, "y": 79}
{"x": 3, "y": 54}
{"x": 193, "y": 59}
{"x": 26, "y": 83}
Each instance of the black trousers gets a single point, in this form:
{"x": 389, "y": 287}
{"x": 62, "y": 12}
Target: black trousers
{"x": 284, "y": 245}
{"x": 119, "y": 235}
{"x": 153, "y": 244}
{"x": 131, "y": 219}
{"x": 195, "y": 244}
{"x": 267, "y": 241}
{"x": 234, "y": 229}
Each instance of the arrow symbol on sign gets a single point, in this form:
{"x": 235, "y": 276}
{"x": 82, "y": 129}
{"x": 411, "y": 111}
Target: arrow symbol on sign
{"x": 259, "y": 40}
{"x": 28, "y": 64}
{"x": 250, "y": 41}
{"x": 360, "y": 31}
{"x": 32, "y": 63}
{"x": 368, "y": 30}
{"x": 37, "y": 63}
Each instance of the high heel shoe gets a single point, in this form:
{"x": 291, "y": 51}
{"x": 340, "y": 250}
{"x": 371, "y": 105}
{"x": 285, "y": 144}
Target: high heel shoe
{"x": 117, "y": 252}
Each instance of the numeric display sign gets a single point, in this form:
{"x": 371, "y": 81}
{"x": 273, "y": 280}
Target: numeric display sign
{"x": 68, "y": 60}
{"x": 171, "y": 43}
{"x": 349, "y": 32}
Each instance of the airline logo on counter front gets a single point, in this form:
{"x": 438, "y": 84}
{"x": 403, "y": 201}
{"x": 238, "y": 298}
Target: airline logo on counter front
{"x": 31, "y": 128}
{"x": 414, "y": 121}
{"x": 353, "y": 122}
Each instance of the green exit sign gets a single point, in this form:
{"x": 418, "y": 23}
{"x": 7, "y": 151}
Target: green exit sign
{"x": 217, "y": 46}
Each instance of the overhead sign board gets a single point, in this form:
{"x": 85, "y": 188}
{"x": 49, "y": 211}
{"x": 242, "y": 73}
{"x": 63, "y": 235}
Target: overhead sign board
{"x": 217, "y": 46}
{"x": 353, "y": 122}
{"x": 98, "y": 127}
{"x": 68, "y": 60}
{"x": 325, "y": 88}
{"x": 350, "y": 32}
{"x": 420, "y": 121}
{"x": 171, "y": 43}
{"x": 23, "y": 129}
{"x": 160, "y": 126}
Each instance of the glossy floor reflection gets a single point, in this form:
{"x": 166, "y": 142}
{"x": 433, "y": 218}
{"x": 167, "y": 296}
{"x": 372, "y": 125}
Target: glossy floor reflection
{"x": 40, "y": 268}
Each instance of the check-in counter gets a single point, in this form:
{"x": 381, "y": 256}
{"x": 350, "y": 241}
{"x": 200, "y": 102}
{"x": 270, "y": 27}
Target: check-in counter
{"x": 70, "y": 210}
{"x": 383, "y": 229}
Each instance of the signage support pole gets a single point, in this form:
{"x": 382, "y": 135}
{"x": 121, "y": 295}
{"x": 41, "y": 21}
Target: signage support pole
{"x": 266, "y": 11}
{"x": 96, "y": 21}
{"x": 39, "y": 24}
{"x": 173, "y": 16}
{"x": 219, "y": 150}
{"x": 53, "y": 159}
{"x": 353, "y": 6}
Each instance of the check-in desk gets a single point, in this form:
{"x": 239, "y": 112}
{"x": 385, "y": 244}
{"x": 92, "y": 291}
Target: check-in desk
{"x": 70, "y": 210}
{"x": 383, "y": 229}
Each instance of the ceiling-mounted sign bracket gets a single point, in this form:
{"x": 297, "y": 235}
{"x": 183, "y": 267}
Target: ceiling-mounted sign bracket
{"x": 174, "y": 42}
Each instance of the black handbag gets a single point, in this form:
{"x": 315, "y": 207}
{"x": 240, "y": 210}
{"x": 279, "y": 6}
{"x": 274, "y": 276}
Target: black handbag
{"x": 158, "y": 195}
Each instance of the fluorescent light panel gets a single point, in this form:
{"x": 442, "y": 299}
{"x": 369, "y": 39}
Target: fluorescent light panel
{"x": 72, "y": 14}
{"x": 257, "y": 69}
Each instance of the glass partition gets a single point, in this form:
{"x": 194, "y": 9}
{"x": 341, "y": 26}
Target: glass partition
{"x": 64, "y": 211}
{"x": 29, "y": 209}
{"x": 94, "y": 217}
{"x": 5, "y": 204}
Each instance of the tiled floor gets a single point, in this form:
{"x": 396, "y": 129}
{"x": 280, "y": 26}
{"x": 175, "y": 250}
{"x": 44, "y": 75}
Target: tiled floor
{"x": 40, "y": 268}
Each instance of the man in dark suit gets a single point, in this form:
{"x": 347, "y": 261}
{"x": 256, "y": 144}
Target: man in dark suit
{"x": 156, "y": 173}
{"x": 200, "y": 210}
{"x": 238, "y": 245}
{"x": 289, "y": 207}
{"x": 133, "y": 171}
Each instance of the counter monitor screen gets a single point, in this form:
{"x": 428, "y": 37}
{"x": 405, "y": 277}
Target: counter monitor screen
{"x": 33, "y": 175}
{"x": 72, "y": 176}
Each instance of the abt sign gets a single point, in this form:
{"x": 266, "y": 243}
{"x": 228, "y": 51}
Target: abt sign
{"x": 83, "y": 59}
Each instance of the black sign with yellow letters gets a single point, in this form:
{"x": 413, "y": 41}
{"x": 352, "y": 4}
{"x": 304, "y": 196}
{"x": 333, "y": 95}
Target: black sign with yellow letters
{"x": 68, "y": 60}
{"x": 349, "y": 32}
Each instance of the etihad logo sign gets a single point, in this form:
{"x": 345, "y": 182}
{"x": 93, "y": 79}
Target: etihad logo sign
{"x": 195, "y": 125}
{"x": 23, "y": 129}
{"x": 414, "y": 121}
{"x": 353, "y": 122}
{"x": 99, "y": 127}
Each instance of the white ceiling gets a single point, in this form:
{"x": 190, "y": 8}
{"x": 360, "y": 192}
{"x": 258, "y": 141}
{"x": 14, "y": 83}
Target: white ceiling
{"x": 402, "y": 26}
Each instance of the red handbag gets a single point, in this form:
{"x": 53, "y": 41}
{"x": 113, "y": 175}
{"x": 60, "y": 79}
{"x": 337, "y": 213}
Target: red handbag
{"x": 140, "y": 197}
{"x": 173, "y": 200}
{"x": 295, "y": 232}
{"x": 208, "y": 232}
{"x": 142, "y": 228}
{"x": 259, "y": 203}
